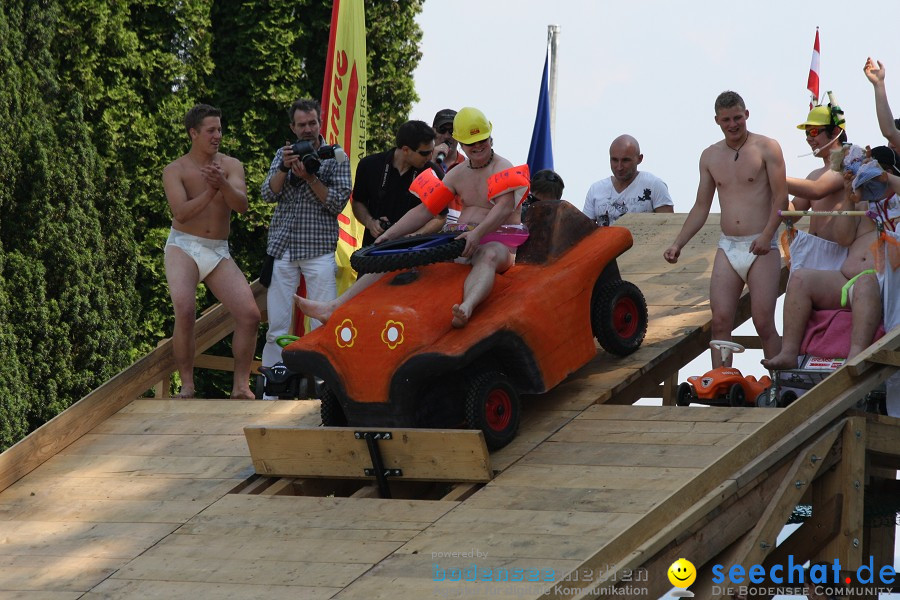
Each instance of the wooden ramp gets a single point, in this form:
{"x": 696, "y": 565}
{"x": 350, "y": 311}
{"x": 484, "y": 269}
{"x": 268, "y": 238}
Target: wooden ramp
{"x": 141, "y": 498}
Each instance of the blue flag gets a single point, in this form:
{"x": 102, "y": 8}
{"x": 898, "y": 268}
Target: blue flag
{"x": 540, "y": 154}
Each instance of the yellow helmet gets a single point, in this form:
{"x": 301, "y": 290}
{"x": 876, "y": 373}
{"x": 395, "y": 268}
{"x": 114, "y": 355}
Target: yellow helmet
{"x": 470, "y": 126}
{"x": 818, "y": 116}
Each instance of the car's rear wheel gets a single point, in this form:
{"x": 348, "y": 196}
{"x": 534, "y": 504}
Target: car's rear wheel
{"x": 493, "y": 406}
{"x": 407, "y": 252}
{"x": 736, "y": 395}
{"x": 683, "y": 395}
{"x": 331, "y": 411}
{"x": 619, "y": 317}
{"x": 786, "y": 399}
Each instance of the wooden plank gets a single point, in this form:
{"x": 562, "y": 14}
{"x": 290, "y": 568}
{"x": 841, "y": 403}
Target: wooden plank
{"x": 80, "y": 539}
{"x": 221, "y": 363}
{"x": 50, "y": 573}
{"x": 585, "y": 500}
{"x": 600, "y": 477}
{"x": 422, "y": 454}
{"x": 166, "y": 590}
{"x": 622, "y": 455}
{"x": 84, "y": 415}
{"x": 886, "y": 357}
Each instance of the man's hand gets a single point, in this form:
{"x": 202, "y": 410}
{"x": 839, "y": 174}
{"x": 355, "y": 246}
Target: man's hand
{"x": 671, "y": 255}
{"x": 375, "y": 228}
{"x": 761, "y": 245}
{"x": 443, "y": 148}
{"x": 214, "y": 175}
{"x": 288, "y": 158}
{"x": 873, "y": 73}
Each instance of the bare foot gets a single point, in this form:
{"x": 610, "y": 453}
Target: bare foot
{"x": 321, "y": 311}
{"x": 242, "y": 395}
{"x": 780, "y": 362}
{"x": 186, "y": 392}
{"x": 460, "y": 317}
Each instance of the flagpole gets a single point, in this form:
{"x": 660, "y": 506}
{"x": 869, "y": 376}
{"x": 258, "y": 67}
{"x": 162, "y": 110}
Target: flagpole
{"x": 553, "y": 32}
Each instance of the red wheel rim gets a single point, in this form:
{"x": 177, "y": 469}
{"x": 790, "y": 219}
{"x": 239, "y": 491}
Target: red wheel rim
{"x": 498, "y": 409}
{"x": 625, "y": 317}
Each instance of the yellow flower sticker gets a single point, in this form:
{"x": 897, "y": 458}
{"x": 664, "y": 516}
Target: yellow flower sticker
{"x": 392, "y": 334}
{"x": 345, "y": 334}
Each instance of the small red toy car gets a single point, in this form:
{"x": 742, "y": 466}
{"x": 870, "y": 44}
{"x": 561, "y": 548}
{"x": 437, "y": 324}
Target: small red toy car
{"x": 724, "y": 386}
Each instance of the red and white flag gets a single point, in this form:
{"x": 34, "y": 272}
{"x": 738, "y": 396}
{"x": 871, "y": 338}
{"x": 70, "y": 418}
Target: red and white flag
{"x": 812, "y": 83}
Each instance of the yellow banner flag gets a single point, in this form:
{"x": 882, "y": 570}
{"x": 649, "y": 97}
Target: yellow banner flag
{"x": 344, "y": 113}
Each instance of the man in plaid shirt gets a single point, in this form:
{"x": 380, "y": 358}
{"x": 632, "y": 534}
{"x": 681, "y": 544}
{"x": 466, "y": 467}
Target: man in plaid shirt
{"x": 304, "y": 230}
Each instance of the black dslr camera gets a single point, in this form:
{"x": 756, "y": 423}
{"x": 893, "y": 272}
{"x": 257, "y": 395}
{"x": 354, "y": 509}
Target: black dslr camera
{"x": 312, "y": 158}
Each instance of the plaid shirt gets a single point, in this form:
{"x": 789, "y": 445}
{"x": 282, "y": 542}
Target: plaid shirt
{"x": 302, "y": 226}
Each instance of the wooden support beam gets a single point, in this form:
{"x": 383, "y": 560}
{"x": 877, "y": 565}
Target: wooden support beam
{"x": 886, "y": 357}
{"x": 220, "y": 363}
{"x": 670, "y": 389}
{"x": 758, "y": 542}
{"x": 848, "y": 480}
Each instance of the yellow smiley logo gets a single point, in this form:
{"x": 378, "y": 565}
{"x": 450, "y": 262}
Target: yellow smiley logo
{"x": 682, "y": 573}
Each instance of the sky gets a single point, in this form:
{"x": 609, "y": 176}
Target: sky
{"x": 653, "y": 69}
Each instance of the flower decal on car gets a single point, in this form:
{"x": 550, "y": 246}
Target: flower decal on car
{"x": 345, "y": 334}
{"x": 392, "y": 334}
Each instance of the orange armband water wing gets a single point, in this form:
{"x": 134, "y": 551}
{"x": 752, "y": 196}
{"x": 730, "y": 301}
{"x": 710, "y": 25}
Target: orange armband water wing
{"x": 510, "y": 180}
{"x": 431, "y": 191}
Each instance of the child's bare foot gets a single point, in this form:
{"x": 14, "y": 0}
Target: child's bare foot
{"x": 460, "y": 316}
{"x": 244, "y": 394}
{"x": 185, "y": 392}
{"x": 780, "y": 362}
{"x": 321, "y": 311}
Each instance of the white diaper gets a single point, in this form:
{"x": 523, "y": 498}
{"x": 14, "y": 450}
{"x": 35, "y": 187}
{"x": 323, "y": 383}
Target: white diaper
{"x": 207, "y": 253}
{"x": 737, "y": 251}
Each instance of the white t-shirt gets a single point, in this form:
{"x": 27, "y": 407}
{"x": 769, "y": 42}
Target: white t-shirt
{"x": 646, "y": 193}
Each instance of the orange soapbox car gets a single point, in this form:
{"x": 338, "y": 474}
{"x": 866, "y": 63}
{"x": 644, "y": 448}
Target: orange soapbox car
{"x": 389, "y": 356}
{"x": 724, "y": 386}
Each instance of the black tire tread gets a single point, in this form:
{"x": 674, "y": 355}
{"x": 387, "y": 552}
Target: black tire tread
{"x": 331, "y": 411}
{"x": 602, "y": 302}
{"x": 476, "y": 393}
{"x": 363, "y": 261}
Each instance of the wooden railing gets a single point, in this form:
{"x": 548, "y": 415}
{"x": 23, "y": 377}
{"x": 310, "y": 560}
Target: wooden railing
{"x": 153, "y": 368}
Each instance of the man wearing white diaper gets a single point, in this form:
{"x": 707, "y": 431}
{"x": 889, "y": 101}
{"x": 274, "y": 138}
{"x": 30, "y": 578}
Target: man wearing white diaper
{"x": 202, "y": 188}
{"x": 747, "y": 170}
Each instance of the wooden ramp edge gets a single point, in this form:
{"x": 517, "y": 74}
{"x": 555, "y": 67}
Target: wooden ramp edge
{"x": 804, "y": 432}
{"x": 82, "y": 416}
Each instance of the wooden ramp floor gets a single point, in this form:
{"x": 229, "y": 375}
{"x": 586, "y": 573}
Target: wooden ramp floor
{"x": 140, "y": 507}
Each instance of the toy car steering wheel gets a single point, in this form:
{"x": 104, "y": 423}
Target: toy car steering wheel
{"x": 286, "y": 340}
{"x": 719, "y": 344}
{"x": 725, "y": 348}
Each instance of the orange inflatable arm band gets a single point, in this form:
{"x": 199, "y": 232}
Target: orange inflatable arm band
{"x": 431, "y": 191}
{"x": 510, "y": 180}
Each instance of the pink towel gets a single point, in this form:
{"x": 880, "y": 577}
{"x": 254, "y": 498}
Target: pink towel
{"x": 828, "y": 333}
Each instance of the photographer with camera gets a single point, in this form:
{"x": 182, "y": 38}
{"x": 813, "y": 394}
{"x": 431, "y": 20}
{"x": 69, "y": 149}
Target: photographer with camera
{"x": 381, "y": 187}
{"x": 311, "y": 189}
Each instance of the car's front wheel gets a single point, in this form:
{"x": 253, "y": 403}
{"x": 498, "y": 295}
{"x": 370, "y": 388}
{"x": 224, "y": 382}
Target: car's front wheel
{"x": 493, "y": 406}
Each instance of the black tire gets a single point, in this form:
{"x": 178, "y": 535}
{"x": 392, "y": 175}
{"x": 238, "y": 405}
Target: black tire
{"x": 259, "y": 386}
{"x": 766, "y": 399}
{"x": 331, "y": 411}
{"x": 493, "y": 406}
{"x": 619, "y": 316}
{"x": 786, "y": 399}
{"x": 683, "y": 395}
{"x": 736, "y": 395}
{"x": 408, "y": 252}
